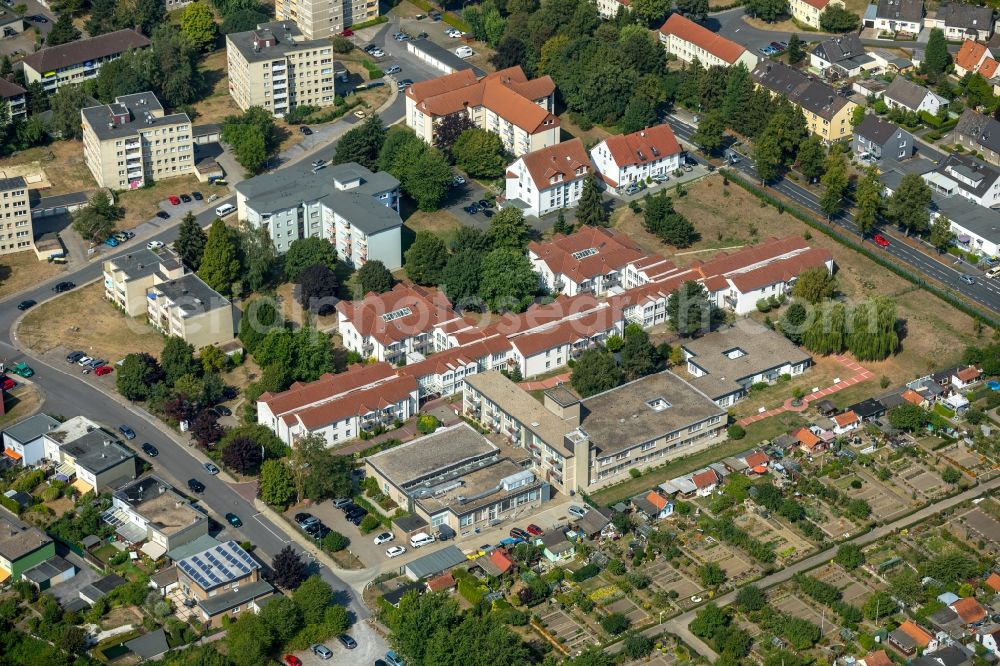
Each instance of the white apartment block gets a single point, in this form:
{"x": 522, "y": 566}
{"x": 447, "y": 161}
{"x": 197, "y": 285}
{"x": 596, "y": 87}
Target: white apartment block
{"x": 689, "y": 41}
{"x": 608, "y": 9}
{"x": 346, "y": 204}
{"x": 622, "y": 160}
{"x": 549, "y": 179}
{"x": 520, "y": 111}
{"x": 80, "y": 60}
{"x": 808, "y": 11}
{"x": 276, "y": 68}
{"x": 322, "y": 19}
{"x": 128, "y": 277}
{"x": 131, "y": 141}
{"x": 15, "y": 216}
{"x": 190, "y": 309}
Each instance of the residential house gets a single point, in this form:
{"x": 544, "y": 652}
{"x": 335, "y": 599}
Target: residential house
{"x": 608, "y": 9}
{"x": 548, "y": 179}
{"x": 843, "y": 56}
{"x": 876, "y": 658}
{"x": 323, "y": 19}
{"x": 706, "y": 481}
{"x": 79, "y": 60}
{"x": 968, "y": 610}
{"x": 947, "y": 621}
{"x": 868, "y": 409}
{"x": 596, "y": 524}
{"x": 80, "y": 449}
{"x": 22, "y": 546}
{"x": 989, "y": 636}
{"x": 962, "y": 21}
{"x": 149, "y": 510}
{"x": 966, "y": 377}
{"x": 688, "y": 41}
{"x": 910, "y": 637}
{"x": 890, "y": 62}
{"x": 899, "y": 16}
{"x": 623, "y": 160}
{"x": 914, "y": 398}
{"x": 555, "y": 547}
{"x": 993, "y": 582}
{"x": 809, "y": 11}
{"x": 875, "y": 138}
{"x": 828, "y": 115}
{"x": 16, "y": 231}
{"x": 128, "y": 277}
{"x": 222, "y": 580}
{"x": 520, "y": 111}
{"x": 975, "y": 58}
{"x": 653, "y": 506}
{"x": 190, "y": 309}
{"x": 975, "y": 131}
{"x": 725, "y": 363}
{"x": 904, "y": 94}
{"x": 346, "y": 204}
{"x": 968, "y": 177}
{"x": 951, "y": 655}
{"x": 15, "y": 96}
{"x": 809, "y": 441}
{"x": 24, "y": 443}
{"x": 846, "y": 422}
{"x": 275, "y": 68}
{"x": 756, "y": 462}
{"x": 443, "y": 583}
{"x": 496, "y": 563}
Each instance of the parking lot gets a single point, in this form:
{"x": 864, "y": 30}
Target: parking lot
{"x": 982, "y": 524}
{"x": 371, "y": 646}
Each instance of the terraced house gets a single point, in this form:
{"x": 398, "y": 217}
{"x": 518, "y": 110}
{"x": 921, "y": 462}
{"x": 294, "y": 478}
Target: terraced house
{"x": 688, "y": 41}
{"x": 79, "y": 60}
{"x": 828, "y": 115}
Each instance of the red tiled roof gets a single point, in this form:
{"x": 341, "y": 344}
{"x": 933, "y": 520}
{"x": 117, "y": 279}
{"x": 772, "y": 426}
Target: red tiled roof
{"x": 781, "y": 270}
{"x": 818, "y": 4}
{"x": 428, "y": 308}
{"x": 757, "y": 458}
{"x": 614, "y": 251}
{"x": 501, "y": 561}
{"x": 358, "y": 402}
{"x": 441, "y": 583}
{"x": 326, "y": 387}
{"x": 970, "y": 55}
{"x": 456, "y": 357}
{"x": 989, "y": 68}
{"x": 807, "y": 438}
{"x": 539, "y": 315}
{"x": 969, "y": 610}
{"x": 567, "y": 332}
{"x": 561, "y": 163}
{"x": 705, "y": 479}
{"x": 877, "y": 658}
{"x": 646, "y": 145}
{"x": 912, "y": 397}
{"x": 657, "y": 500}
{"x": 968, "y": 374}
{"x": 917, "y": 633}
{"x": 994, "y": 582}
{"x": 845, "y": 419}
{"x": 690, "y": 31}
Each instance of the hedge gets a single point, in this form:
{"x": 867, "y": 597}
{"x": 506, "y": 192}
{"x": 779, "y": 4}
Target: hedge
{"x": 471, "y": 590}
{"x": 587, "y": 572}
{"x": 10, "y": 505}
{"x": 847, "y": 242}
{"x": 372, "y": 511}
{"x": 378, "y": 20}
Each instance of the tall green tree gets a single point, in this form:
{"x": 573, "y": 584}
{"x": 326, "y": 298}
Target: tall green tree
{"x": 711, "y": 127}
{"x": 148, "y": 15}
{"x": 190, "y": 243}
{"x": 426, "y": 258}
{"x": 825, "y": 335}
{"x": 638, "y": 355}
{"x": 306, "y": 252}
{"x": 815, "y": 285}
{"x": 660, "y": 218}
{"x": 868, "y": 201}
{"x": 177, "y": 359}
{"x": 220, "y": 263}
{"x": 313, "y": 597}
{"x": 248, "y": 641}
{"x": 811, "y": 158}
{"x": 63, "y": 31}
{"x": 936, "y": 56}
{"x": 102, "y": 17}
{"x": 362, "y": 143}
{"x": 258, "y": 257}
{"x": 696, "y": 10}
{"x": 767, "y": 10}
{"x": 590, "y": 209}
{"x": 174, "y": 64}
{"x": 508, "y": 281}
{"x": 448, "y": 129}
{"x": 508, "y": 229}
{"x": 198, "y": 26}
{"x": 65, "y": 105}
{"x": 909, "y": 205}
{"x": 595, "y": 372}
{"x": 835, "y": 182}
{"x": 461, "y": 278}
{"x": 796, "y": 54}
{"x": 373, "y": 276}
{"x": 838, "y": 19}
{"x": 873, "y": 332}
{"x": 276, "y": 487}
{"x": 640, "y": 113}
{"x": 941, "y": 236}
{"x": 767, "y": 158}
{"x": 739, "y": 90}
{"x": 690, "y": 312}
{"x": 650, "y": 13}
{"x": 480, "y": 153}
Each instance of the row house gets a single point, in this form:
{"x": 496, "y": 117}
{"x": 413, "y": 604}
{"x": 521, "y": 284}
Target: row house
{"x": 688, "y": 41}
{"x": 549, "y": 179}
{"x": 904, "y": 94}
{"x": 827, "y": 114}
{"x": 624, "y": 160}
{"x": 962, "y": 21}
{"x": 875, "y": 138}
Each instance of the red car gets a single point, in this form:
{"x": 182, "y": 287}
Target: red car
{"x": 7, "y": 383}
{"x": 347, "y": 33}
{"x": 881, "y": 240}
{"x": 535, "y": 530}
{"x": 292, "y": 660}
{"x": 104, "y": 370}
{"x": 174, "y": 200}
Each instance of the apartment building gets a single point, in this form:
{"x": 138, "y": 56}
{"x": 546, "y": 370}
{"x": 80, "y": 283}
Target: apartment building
{"x": 82, "y": 450}
{"x": 623, "y": 160}
{"x": 276, "y": 68}
{"x": 149, "y": 510}
{"x": 222, "y": 580}
{"x": 322, "y": 19}
{"x": 16, "y": 233}
{"x": 608, "y": 9}
{"x": 346, "y": 204}
{"x": 828, "y": 115}
{"x": 79, "y": 60}
{"x": 128, "y": 277}
{"x": 132, "y": 141}
{"x": 688, "y": 41}
{"x": 190, "y": 309}
{"x": 547, "y": 180}
{"x": 14, "y": 95}
{"x": 809, "y": 11}
{"x": 520, "y": 111}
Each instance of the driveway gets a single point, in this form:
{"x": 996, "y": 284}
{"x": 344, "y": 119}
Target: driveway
{"x": 70, "y": 590}
{"x": 371, "y": 646}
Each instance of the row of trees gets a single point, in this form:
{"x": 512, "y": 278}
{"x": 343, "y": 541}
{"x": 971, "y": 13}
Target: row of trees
{"x": 870, "y": 330}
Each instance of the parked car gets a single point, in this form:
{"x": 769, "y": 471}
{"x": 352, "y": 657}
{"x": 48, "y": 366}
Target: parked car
{"x": 347, "y": 33}
{"x": 394, "y": 551}
{"x": 341, "y": 502}
{"x": 104, "y": 370}
{"x": 83, "y": 360}
{"x": 454, "y": 33}
{"x": 464, "y": 52}
{"x": 634, "y": 188}
{"x": 457, "y": 180}
{"x": 881, "y": 240}
{"x": 211, "y": 469}
{"x": 535, "y": 530}
{"x": 394, "y": 659}
{"x": 150, "y": 450}
{"x": 377, "y": 53}
{"x": 305, "y": 131}
{"x": 347, "y": 641}
{"x": 154, "y": 245}
{"x": 303, "y": 519}
{"x": 6, "y": 383}
{"x": 401, "y": 36}
{"x": 404, "y": 84}
{"x": 518, "y": 533}
{"x": 126, "y": 431}
{"x": 37, "y": 18}
{"x": 24, "y": 305}
{"x": 222, "y": 410}
{"x": 393, "y": 69}
{"x": 967, "y": 279}
{"x": 75, "y": 356}
{"x": 577, "y": 510}
{"x": 361, "y": 115}
{"x": 113, "y": 242}
{"x": 97, "y": 363}
{"x": 321, "y": 651}
{"x": 174, "y": 200}
{"x": 234, "y": 520}
{"x": 348, "y": 508}
{"x": 63, "y": 286}
{"x": 186, "y": 198}
{"x": 318, "y": 163}
{"x": 384, "y": 537}
{"x": 163, "y": 215}
{"x": 292, "y": 660}
{"x": 197, "y": 196}
{"x": 22, "y": 369}
{"x": 660, "y": 177}
{"x": 196, "y": 486}
{"x": 422, "y": 35}
{"x": 471, "y": 209}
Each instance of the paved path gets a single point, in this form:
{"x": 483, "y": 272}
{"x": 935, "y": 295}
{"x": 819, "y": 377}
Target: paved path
{"x": 546, "y": 383}
{"x": 862, "y": 374}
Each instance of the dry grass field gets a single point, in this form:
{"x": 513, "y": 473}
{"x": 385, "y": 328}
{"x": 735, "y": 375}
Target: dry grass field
{"x": 21, "y": 270}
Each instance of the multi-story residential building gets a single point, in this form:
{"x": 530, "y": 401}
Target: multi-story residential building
{"x": 15, "y": 216}
{"x": 274, "y": 68}
{"x": 904, "y": 94}
{"x": 132, "y": 141}
{"x": 190, "y": 309}
{"x": 828, "y": 115}
{"x": 519, "y": 111}
{"x": 962, "y": 21}
{"x": 222, "y": 580}
{"x": 346, "y": 204}
{"x": 14, "y": 95}
{"x": 456, "y": 477}
{"x": 149, "y": 510}
{"x": 968, "y": 177}
{"x": 875, "y": 138}
{"x": 974, "y": 57}
{"x": 975, "y": 131}
{"x": 608, "y": 9}
{"x": 322, "y": 19}
{"x": 688, "y": 41}
{"x": 622, "y": 160}
{"x": 22, "y": 546}
{"x": 548, "y": 179}
{"x": 809, "y": 11}
{"x": 24, "y": 442}
{"x": 80, "y": 449}
{"x": 128, "y": 277}
{"x": 78, "y": 60}
{"x": 843, "y": 56}
{"x": 898, "y": 16}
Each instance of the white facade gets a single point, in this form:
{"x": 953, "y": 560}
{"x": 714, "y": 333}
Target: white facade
{"x": 539, "y": 202}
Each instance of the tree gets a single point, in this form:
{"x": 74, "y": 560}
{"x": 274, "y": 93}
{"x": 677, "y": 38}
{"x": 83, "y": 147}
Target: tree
{"x": 282, "y": 618}
{"x": 313, "y": 597}
{"x": 137, "y": 376}
{"x": 849, "y": 555}
{"x": 739, "y": 90}
{"x": 615, "y": 623}
{"x": 936, "y": 56}
{"x": 318, "y": 289}
{"x": 426, "y": 258}
{"x": 508, "y": 230}
{"x": 248, "y": 640}
{"x": 511, "y": 52}
{"x": 306, "y": 252}
{"x": 248, "y": 146}
{"x": 206, "y": 429}
{"x": 711, "y": 127}
{"x": 909, "y": 205}
{"x": 276, "y": 486}
{"x": 220, "y": 264}
{"x": 815, "y": 285}
{"x": 696, "y": 10}
{"x": 793, "y": 322}
{"x": 420, "y": 614}
{"x": 750, "y": 598}
{"x": 260, "y": 317}
{"x": 449, "y": 129}
{"x": 190, "y": 243}
{"x": 508, "y": 281}
{"x": 767, "y": 158}
{"x": 811, "y": 158}
{"x": 362, "y": 144}
{"x": 244, "y": 455}
{"x": 460, "y": 279}
{"x": 640, "y": 113}
{"x": 590, "y": 209}
{"x": 660, "y": 218}
{"x": 951, "y": 475}
{"x": 872, "y": 335}
{"x": 198, "y": 26}
{"x": 879, "y": 606}
{"x": 711, "y": 574}
{"x": 595, "y": 372}
{"x": 63, "y": 31}
{"x": 767, "y": 10}
{"x": 66, "y": 105}
{"x": 177, "y": 359}
{"x": 243, "y": 20}
{"x": 838, "y": 19}
{"x": 710, "y": 621}
{"x": 868, "y": 201}
{"x": 373, "y": 277}
{"x": 73, "y": 639}
{"x": 835, "y": 182}
{"x": 795, "y": 52}
{"x": 638, "y": 356}
{"x": 480, "y": 153}
{"x": 941, "y": 234}
{"x": 288, "y": 569}
{"x": 319, "y": 472}
{"x": 689, "y": 310}
{"x": 978, "y": 92}
{"x": 174, "y": 64}
{"x": 335, "y": 542}
{"x": 428, "y": 180}
{"x": 258, "y": 257}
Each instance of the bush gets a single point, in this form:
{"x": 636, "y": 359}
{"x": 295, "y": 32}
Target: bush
{"x": 736, "y": 432}
{"x": 342, "y": 44}
{"x": 427, "y": 423}
{"x": 615, "y": 623}
{"x": 369, "y": 524}
{"x": 335, "y": 541}
{"x": 634, "y": 473}
{"x": 585, "y": 573}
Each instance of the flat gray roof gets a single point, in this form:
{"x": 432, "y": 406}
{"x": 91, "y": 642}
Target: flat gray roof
{"x": 434, "y": 563}
{"x": 443, "y": 55}
{"x": 60, "y": 200}
{"x": 621, "y": 418}
{"x": 191, "y": 294}
{"x": 15, "y": 183}
{"x": 532, "y": 414}
{"x": 203, "y": 542}
{"x": 149, "y": 645}
{"x": 97, "y": 451}
{"x": 432, "y": 454}
{"x": 142, "y": 262}
{"x": 31, "y": 428}
{"x": 135, "y": 106}
{"x": 284, "y": 37}
{"x": 46, "y": 570}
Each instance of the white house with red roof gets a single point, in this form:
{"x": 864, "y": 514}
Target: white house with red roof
{"x": 688, "y": 41}
{"x": 706, "y": 481}
{"x": 632, "y": 158}
{"x": 846, "y": 422}
{"x": 546, "y": 180}
{"x": 808, "y": 11}
{"x": 974, "y": 57}
{"x": 608, "y": 9}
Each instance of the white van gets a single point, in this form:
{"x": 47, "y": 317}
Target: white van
{"x": 225, "y": 209}
{"x": 994, "y": 273}
{"x": 464, "y": 52}
{"x": 420, "y": 539}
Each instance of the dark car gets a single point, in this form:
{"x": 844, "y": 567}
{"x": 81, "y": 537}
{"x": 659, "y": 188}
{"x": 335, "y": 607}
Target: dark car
{"x": 37, "y": 18}
{"x": 196, "y": 486}
{"x": 320, "y": 532}
{"x": 355, "y": 510}
{"x": 126, "y": 431}
{"x": 234, "y": 520}
{"x": 222, "y": 410}
{"x": 472, "y": 209}
{"x": 356, "y": 518}
{"x": 73, "y": 357}
{"x": 422, "y": 35}
{"x": 63, "y": 286}
{"x": 150, "y": 450}
{"x": 485, "y": 203}
{"x": 347, "y": 641}
{"x": 24, "y": 305}
{"x": 305, "y": 131}
{"x": 186, "y": 198}
{"x": 348, "y": 507}
{"x": 518, "y": 533}
{"x": 163, "y": 215}
{"x": 197, "y": 196}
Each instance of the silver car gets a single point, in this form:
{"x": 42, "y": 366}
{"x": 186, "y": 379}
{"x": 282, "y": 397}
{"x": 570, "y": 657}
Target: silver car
{"x": 577, "y": 510}
{"x": 321, "y": 651}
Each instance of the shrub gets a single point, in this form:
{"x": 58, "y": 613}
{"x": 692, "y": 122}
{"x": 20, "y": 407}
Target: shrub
{"x": 615, "y": 623}
{"x": 634, "y": 473}
{"x": 736, "y": 431}
{"x": 369, "y": 523}
{"x": 585, "y": 573}
{"x": 427, "y": 423}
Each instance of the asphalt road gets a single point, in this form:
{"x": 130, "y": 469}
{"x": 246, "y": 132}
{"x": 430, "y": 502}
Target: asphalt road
{"x": 984, "y": 294}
